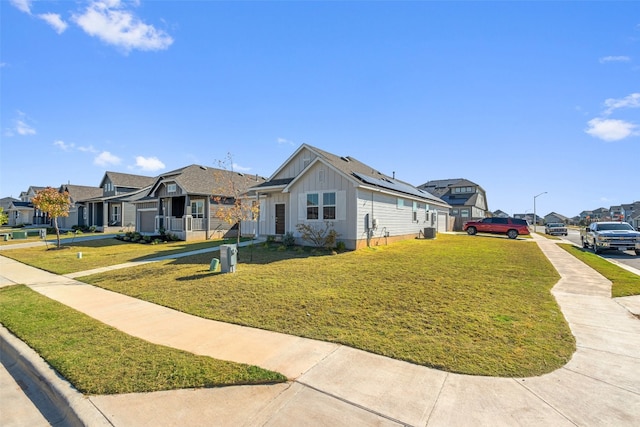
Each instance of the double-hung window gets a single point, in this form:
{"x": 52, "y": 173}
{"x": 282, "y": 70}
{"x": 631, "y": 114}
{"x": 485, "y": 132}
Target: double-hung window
{"x": 329, "y": 206}
{"x": 197, "y": 208}
{"x": 312, "y": 206}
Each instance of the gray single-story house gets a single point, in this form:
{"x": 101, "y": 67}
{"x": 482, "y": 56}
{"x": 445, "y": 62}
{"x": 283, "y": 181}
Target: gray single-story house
{"x": 184, "y": 202}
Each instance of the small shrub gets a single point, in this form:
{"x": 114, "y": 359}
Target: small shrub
{"x": 147, "y": 239}
{"x": 321, "y": 237}
{"x": 281, "y": 248}
{"x": 288, "y": 240}
{"x": 340, "y": 246}
{"x": 271, "y": 239}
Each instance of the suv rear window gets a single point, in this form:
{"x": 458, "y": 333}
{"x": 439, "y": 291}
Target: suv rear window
{"x": 519, "y": 221}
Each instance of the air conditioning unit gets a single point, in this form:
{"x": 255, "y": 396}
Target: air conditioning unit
{"x": 429, "y": 233}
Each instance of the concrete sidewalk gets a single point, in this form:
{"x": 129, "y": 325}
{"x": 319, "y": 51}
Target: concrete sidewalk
{"x": 337, "y": 385}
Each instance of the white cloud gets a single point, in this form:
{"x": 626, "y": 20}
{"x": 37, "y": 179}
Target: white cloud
{"x": 63, "y": 145}
{"x": 236, "y": 167}
{"x": 106, "y": 158}
{"x": 631, "y": 101}
{"x": 23, "y": 5}
{"x": 55, "y": 21}
{"x": 88, "y": 149}
{"x": 149, "y": 163}
{"x": 110, "y": 22}
{"x": 610, "y": 129}
{"x": 620, "y": 58}
{"x": 283, "y": 141}
{"x": 24, "y": 129}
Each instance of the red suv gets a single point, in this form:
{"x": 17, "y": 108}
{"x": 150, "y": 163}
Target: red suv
{"x": 512, "y": 227}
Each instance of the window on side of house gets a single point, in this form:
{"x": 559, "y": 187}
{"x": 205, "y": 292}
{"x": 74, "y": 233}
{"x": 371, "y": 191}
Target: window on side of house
{"x": 171, "y": 188}
{"x": 464, "y": 213}
{"x": 329, "y": 206}
{"x": 197, "y": 208}
{"x": 312, "y": 206}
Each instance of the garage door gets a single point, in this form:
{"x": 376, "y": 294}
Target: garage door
{"x": 443, "y": 218}
{"x": 147, "y": 221}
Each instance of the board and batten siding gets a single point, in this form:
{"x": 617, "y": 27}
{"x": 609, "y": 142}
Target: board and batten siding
{"x": 321, "y": 179}
{"x": 162, "y": 190}
{"x": 297, "y": 164}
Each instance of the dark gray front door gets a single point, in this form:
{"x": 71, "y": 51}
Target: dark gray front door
{"x": 280, "y": 218}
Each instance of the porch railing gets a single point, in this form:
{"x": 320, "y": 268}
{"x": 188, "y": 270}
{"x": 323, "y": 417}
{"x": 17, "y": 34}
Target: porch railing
{"x": 186, "y": 223}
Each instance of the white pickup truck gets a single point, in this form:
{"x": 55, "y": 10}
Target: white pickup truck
{"x": 601, "y": 236}
{"x": 555, "y": 229}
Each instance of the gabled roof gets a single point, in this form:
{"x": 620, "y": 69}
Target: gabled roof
{"x": 79, "y": 193}
{"x": 557, "y": 215}
{"x": 202, "y": 180}
{"x": 127, "y": 180}
{"x": 354, "y": 170}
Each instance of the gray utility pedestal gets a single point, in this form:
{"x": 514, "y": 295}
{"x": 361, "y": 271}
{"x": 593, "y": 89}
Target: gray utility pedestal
{"x": 228, "y": 258}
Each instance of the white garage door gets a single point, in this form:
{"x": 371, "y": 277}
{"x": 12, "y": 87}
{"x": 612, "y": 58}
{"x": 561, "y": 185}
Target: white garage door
{"x": 443, "y": 218}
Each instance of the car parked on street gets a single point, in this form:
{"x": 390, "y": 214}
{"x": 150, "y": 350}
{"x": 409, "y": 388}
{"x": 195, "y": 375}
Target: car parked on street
{"x": 512, "y": 227}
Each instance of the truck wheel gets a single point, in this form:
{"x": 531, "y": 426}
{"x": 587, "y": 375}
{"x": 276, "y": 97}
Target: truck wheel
{"x": 585, "y": 245}
{"x": 471, "y": 231}
{"x": 512, "y": 234}
{"x": 596, "y": 250}
{"x": 637, "y": 252}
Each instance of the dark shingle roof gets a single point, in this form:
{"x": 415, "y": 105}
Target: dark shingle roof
{"x": 80, "y": 193}
{"x": 202, "y": 180}
{"x": 365, "y": 174}
{"x": 128, "y": 180}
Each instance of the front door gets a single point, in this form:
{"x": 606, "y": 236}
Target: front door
{"x": 280, "y": 218}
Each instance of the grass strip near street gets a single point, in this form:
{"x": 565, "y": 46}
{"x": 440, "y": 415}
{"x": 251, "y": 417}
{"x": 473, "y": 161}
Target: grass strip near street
{"x": 98, "y": 359}
{"x": 99, "y": 253}
{"x": 624, "y": 283}
{"x": 473, "y": 305}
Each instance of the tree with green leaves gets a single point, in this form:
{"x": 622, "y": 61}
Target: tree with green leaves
{"x": 53, "y": 203}
{"x": 230, "y": 186}
{"x": 4, "y": 218}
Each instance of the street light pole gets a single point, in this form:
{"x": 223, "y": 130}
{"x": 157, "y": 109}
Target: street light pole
{"x": 535, "y": 217}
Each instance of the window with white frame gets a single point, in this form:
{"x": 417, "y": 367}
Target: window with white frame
{"x": 171, "y": 188}
{"x": 329, "y": 206}
{"x": 312, "y": 206}
{"x": 197, "y": 208}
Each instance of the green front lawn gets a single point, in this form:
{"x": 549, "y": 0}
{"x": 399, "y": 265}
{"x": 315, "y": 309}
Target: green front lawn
{"x": 99, "y": 359}
{"x": 99, "y": 253}
{"x": 463, "y": 304}
{"x": 624, "y": 283}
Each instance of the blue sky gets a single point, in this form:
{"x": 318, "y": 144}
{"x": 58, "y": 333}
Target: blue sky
{"x": 520, "y": 97}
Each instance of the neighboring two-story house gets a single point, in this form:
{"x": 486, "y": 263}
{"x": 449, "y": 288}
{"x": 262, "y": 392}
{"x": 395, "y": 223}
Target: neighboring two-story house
{"x": 24, "y": 213}
{"x": 468, "y": 200}
{"x": 115, "y": 210}
{"x": 364, "y": 206}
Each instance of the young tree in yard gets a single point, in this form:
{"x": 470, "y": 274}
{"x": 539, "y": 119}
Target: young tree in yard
{"x": 4, "y": 218}
{"x": 230, "y": 186}
{"x": 54, "y": 203}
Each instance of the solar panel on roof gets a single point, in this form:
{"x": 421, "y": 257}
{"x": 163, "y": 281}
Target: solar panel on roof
{"x": 395, "y": 186}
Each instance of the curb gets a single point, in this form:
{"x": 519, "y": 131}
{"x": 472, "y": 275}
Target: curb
{"x": 62, "y": 402}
